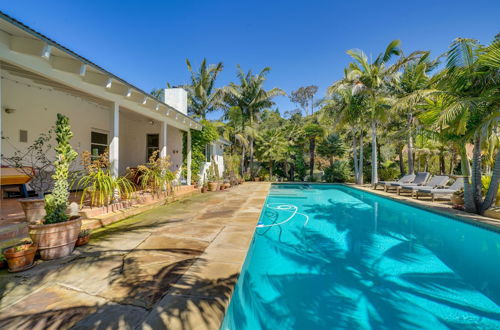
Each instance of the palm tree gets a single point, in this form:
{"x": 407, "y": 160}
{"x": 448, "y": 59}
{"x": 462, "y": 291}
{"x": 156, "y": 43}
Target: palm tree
{"x": 272, "y": 147}
{"x": 410, "y": 89}
{"x": 312, "y": 131}
{"x": 469, "y": 85}
{"x": 203, "y": 97}
{"x": 332, "y": 146}
{"x": 372, "y": 79}
{"x": 250, "y": 97}
{"x": 347, "y": 108}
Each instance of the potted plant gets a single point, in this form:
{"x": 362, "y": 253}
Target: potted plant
{"x": 457, "y": 198}
{"x": 57, "y": 235}
{"x": 20, "y": 257}
{"x": 204, "y": 188}
{"x": 213, "y": 176}
{"x": 83, "y": 237}
{"x": 34, "y": 163}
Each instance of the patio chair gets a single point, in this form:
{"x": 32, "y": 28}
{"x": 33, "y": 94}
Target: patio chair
{"x": 437, "y": 181}
{"x": 457, "y": 185}
{"x": 419, "y": 180}
{"x": 405, "y": 179}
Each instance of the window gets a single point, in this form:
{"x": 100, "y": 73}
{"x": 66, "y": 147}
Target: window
{"x": 208, "y": 152}
{"x": 153, "y": 144}
{"x": 98, "y": 144}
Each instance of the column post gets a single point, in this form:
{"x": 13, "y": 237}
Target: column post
{"x": 188, "y": 157}
{"x": 1, "y": 113}
{"x": 163, "y": 139}
{"x": 114, "y": 147}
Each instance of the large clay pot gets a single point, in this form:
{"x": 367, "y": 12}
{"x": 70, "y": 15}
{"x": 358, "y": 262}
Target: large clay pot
{"x": 256, "y": 179}
{"x": 457, "y": 200}
{"x": 20, "y": 260}
{"x": 34, "y": 209}
{"x": 82, "y": 240}
{"x": 212, "y": 186}
{"x": 56, "y": 240}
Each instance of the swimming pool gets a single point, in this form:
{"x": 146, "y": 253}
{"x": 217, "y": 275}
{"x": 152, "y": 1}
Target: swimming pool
{"x": 332, "y": 256}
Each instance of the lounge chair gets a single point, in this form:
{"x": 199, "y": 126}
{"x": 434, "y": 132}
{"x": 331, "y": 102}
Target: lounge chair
{"x": 458, "y": 184}
{"x": 405, "y": 179}
{"x": 420, "y": 179}
{"x": 437, "y": 181}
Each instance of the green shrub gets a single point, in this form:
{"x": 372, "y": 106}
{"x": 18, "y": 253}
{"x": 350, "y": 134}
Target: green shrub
{"x": 339, "y": 171}
{"x": 388, "y": 171}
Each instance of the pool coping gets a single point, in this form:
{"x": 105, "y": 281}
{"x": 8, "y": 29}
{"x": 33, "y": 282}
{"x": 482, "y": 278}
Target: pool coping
{"x": 469, "y": 218}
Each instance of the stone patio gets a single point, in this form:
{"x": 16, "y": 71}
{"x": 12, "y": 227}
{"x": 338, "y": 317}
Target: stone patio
{"x": 173, "y": 267}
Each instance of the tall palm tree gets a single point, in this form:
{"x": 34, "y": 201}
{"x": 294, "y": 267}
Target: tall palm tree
{"x": 312, "y": 132}
{"x": 469, "y": 84}
{"x": 410, "y": 88}
{"x": 251, "y": 98}
{"x": 372, "y": 79}
{"x": 203, "y": 97}
{"x": 347, "y": 108}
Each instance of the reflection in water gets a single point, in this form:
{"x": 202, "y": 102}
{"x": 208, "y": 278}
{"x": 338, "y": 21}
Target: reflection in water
{"x": 365, "y": 262}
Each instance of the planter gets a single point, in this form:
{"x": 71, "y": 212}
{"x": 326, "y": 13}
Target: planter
{"x": 34, "y": 209}
{"x": 203, "y": 190}
{"x": 256, "y": 179}
{"x": 227, "y": 185}
{"x": 82, "y": 240}
{"x": 21, "y": 257}
{"x": 212, "y": 186}
{"x": 457, "y": 200}
{"x": 56, "y": 240}
{"x": 221, "y": 187}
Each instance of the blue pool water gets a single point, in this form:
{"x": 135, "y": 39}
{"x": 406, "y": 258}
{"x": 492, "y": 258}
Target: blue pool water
{"x": 342, "y": 258}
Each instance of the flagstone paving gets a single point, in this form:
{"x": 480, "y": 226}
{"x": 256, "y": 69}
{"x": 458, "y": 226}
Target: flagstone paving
{"x": 173, "y": 267}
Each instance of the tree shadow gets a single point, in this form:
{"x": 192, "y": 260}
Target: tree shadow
{"x": 362, "y": 265}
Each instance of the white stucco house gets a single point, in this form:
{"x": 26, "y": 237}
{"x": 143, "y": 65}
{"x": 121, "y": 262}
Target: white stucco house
{"x": 40, "y": 78}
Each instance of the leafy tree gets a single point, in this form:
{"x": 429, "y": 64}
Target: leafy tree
{"x": 332, "y": 146}
{"x": 272, "y": 147}
{"x": 304, "y": 98}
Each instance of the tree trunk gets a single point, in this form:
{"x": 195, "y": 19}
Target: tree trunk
{"x": 270, "y": 169}
{"x": 401, "y": 163}
{"x": 476, "y": 173}
{"x": 312, "y": 146}
{"x": 355, "y": 156}
{"x": 411, "y": 167}
{"x": 360, "y": 166}
{"x": 491, "y": 194}
{"x": 374, "y": 153}
{"x": 442, "y": 166}
{"x": 242, "y": 161}
{"x": 250, "y": 165}
{"x": 292, "y": 170}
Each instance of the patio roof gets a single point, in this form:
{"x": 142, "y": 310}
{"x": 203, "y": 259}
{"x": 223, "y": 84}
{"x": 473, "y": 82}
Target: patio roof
{"x": 53, "y": 61}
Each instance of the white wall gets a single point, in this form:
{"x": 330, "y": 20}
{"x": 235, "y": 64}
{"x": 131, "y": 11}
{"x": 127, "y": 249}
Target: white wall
{"x": 36, "y": 108}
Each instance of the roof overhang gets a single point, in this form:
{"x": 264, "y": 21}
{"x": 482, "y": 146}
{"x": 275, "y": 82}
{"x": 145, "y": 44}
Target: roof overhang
{"x": 25, "y": 50}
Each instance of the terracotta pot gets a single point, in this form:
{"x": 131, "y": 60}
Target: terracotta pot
{"x": 34, "y": 209}
{"x": 82, "y": 240}
{"x": 203, "y": 189}
{"x": 56, "y": 240}
{"x": 457, "y": 200}
{"x": 257, "y": 179}
{"x": 227, "y": 185}
{"x": 20, "y": 260}
{"x": 212, "y": 186}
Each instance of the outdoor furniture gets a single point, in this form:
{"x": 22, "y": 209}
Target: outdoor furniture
{"x": 420, "y": 179}
{"x": 457, "y": 185}
{"x": 435, "y": 182}
{"x": 405, "y": 179}
{"x": 15, "y": 177}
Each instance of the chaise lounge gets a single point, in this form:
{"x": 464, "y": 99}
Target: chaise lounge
{"x": 419, "y": 180}
{"x": 458, "y": 184}
{"x": 437, "y": 181}
{"x": 405, "y": 179}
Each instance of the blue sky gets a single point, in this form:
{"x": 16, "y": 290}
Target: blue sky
{"x": 304, "y": 42}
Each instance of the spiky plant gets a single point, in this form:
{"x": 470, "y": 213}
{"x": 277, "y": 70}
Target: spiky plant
{"x": 57, "y": 202}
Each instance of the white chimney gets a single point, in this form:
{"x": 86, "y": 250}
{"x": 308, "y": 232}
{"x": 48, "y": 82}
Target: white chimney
{"x": 176, "y": 98}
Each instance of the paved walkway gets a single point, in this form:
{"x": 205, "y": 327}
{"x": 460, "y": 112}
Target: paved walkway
{"x": 172, "y": 267}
